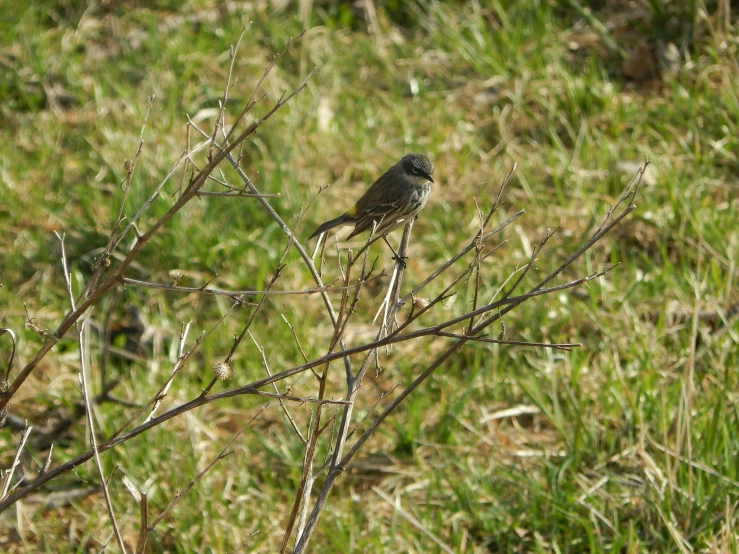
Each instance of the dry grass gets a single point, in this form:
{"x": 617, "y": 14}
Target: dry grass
{"x": 627, "y": 444}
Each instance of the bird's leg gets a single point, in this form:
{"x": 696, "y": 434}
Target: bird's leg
{"x": 395, "y": 254}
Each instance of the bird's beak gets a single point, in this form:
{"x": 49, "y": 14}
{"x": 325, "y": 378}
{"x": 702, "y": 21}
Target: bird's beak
{"x": 427, "y": 176}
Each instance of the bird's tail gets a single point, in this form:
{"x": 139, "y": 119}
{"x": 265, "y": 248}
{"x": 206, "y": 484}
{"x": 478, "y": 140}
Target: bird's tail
{"x": 328, "y": 225}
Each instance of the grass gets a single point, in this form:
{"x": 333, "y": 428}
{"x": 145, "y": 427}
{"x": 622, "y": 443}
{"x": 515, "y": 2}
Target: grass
{"x": 632, "y": 443}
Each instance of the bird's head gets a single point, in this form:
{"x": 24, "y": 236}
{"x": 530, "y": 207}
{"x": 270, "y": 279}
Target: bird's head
{"x": 418, "y": 167}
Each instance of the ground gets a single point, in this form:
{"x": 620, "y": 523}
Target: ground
{"x": 625, "y": 444}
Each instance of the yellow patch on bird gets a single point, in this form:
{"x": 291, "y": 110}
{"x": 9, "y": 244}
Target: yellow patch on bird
{"x": 352, "y": 211}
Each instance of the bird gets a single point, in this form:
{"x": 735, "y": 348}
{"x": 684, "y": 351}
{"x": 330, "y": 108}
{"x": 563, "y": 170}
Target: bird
{"x": 396, "y": 197}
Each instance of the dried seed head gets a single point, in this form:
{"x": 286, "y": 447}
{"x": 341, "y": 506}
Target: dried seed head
{"x": 128, "y": 166}
{"x": 420, "y": 303}
{"x": 175, "y": 275}
{"x": 222, "y": 371}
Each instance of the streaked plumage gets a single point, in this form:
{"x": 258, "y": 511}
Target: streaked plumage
{"x": 398, "y": 195}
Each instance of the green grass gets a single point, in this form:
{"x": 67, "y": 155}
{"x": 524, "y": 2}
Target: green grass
{"x": 612, "y": 461}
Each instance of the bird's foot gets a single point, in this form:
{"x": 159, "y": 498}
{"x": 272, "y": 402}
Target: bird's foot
{"x": 401, "y": 260}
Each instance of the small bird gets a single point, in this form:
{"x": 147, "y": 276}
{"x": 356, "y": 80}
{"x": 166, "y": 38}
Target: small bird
{"x": 399, "y": 195}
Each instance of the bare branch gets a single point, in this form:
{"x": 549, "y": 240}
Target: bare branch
{"x": 353, "y": 385}
{"x": 224, "y": 453}
{"x": 295, "y": 336}
{"x": 82, "y": 347}
{"x": 338, "y": 466}
{"x": 91, "y": 296}
{"x": 180, "y": 357}
{"x": 221, "y": 114}
{"x": 16, "y": 461}
{"x": 252, "y": 389}
{"x": 282, "y": 404}
{"x": 236, "y": 294}
{"x": 560, "y": 346}
{"x": 206, "y": 193}
{"x": 129, "y": 166}
{"x": 422, "y": 285}
{"x": 303, "y": 254}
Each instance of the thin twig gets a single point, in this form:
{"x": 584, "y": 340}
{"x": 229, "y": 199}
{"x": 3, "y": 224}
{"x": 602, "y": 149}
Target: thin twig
{"x": 567, "y": 346}
{"x": 353, "y": 385}
{"x": 295, "y": 336}
{"x": 129, "y": 166}
{"x": 274, "y": 386}
{"x": 252, "y": 389}
{"x": 143, "y": 523}
{"x": 235, "y": 294}
{"x": 302, "y": 495}
{"x": 224, "y": 453}
{"x": 82, "y": 347}
{"x": 422, "y": 285}
{"x": 221, "y": 112}
{"x": 206, "y": 193}
{"x": 93, "y": 295}
{"x": 478, "y": 238}
{"x": 303, "y": 254}
{"x": 16, "y": 461}
{"x": 338, "y": 466}
{"x": 178, "y": 364}
{"x": 185, "y": 356}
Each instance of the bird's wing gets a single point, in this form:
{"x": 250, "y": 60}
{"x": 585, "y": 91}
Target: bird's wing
{"x": 369, "y": 208}
{"x": 376, "y": 213}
